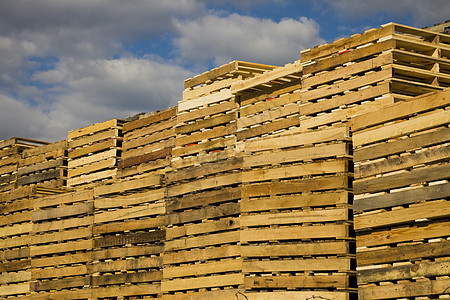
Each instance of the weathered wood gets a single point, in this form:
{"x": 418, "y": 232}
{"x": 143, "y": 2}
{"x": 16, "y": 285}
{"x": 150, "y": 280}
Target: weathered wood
{"x": 398, "y": 235}
{"x": 209, "y": 212}
{"x": 262, "y": 104}
{"x": 63, "y": 199}
{"x": 409, "y": 289}
{"x": 299, "y": 249}
{"x": 204, "y": 184}
{"x": 63, "y": 211}
{"x": 8, "y": 278}
{"x": 42, "y": 176}
{"x": 128, "y": 185}
{"x": 223, "y": 266}
{"x": 129, "y": 225}
{"x": 70, "y": 246}
{"x": 284, "y": 123}
{"x": 198, "y": 91}
{"x": 127, "y": 290}
{"x": 419, "y": 175}
{"x": 82, "y": 161}
{"x": 149, "y": 139}
{"x": 153, "y": 118}
{"x": 216, "y": 132}
{"x": 14, "y": 289}
{"x": 61, "y": 283}
{"x": 293, "y": 265}
{"x": 202, "y": 282}
{"x": 101, "y": 146}
{"x": 169, "y": 143}
{"x": 268, "y": 115}
{"x": 202, "y": 228}
{"x": 202, "y": 112}
{"x": 125, "y": 264}
{"x": 146, "y": 210}
{"x": 94, "y": 138}
{"x": 133, "y": 278}
{"x": 431, "y": 269}
{"x": 59, "y": 272}
{"x": 298, "y": 281}
{"x": 62, "y": 236}
{"x": 142, "y": 159}
{"x": 130, "y": 238}
{"x": 113, "y": 123}
{"x": 205, "y": 100}
{"x": 15, "y": 266}
{"x": 138, "y": 197}
{"x": 66, "y": 259}
{"x": 194, "y": 255}
{"x": 296, "y": 233}
{"x": 129, "y": 251}
{"x": 221, "y": 238}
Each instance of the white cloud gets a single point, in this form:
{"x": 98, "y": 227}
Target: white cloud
{"x": 237, "y": 37}
{"x": 424, "y": 13}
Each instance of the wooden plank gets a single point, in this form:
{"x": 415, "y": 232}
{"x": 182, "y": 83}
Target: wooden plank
{"x": 200, "y": 113}
{"x": 203, "y": 199}
{"x": 300, "y": 139}
{"x": 203, "y": 254}
{"x": 312, "y": 216}
{"x": 294, "y": 265}
{"x": 409, "y": 289}
{"x": 213, "y": 267}
{"x": 145, "y": 158}
{"x": 220, "y": 294}
{"x": 268, "y": 115}
{"x": 16, "y": 206}
{"x": 207, "y": 123}
{"x": 211, "y": 75}
{"x": 41, "y": 166}
{"x": 8, "y": 278}
{"x": 396, "y": 163}
{"x": 61, "y": 283}
{"x": 113, "y": 123}
{"x": 206, "y": 183}
{"x": 298, "y": 281}
{"x": 43, "y": 176}
{"x": 150, "y": 130}
{"x": 430, "y": 269}
{"x": 205, "y": 100}
{"x": 63, "y": 199}
{"x": 15, "y": 266}
{"x": 209, "y": 212}
{"x": 15, "y": 242}
{"x": 169, "y": 143}
{"x": 202, "y": 282}
{"x": 403, "y": 128}
{"x": 298, "y": 249}
{"x": 15, "y": 218}
{"x": 221, "y": 238}
{"x": 129, "y": 225}
{"x": 233, "y": 163}
{"x": 208, "y": 88}
{"x": 403, "y": 253}
{"x": 129, "y": 251}
{"x": 79, "y": 162}
{"x": 428, "y": 210}
{"x": 94, "y": 138}
{"x": 276, "y": 100}
{"x": 17, "y": 229}
{"x": 398, "y": 235}
{"x": 295, "y": 201}
{"x": 62, "y": 236}
{"x": 15, "y": 254}
{"x": 405, "y": 197}
{"x": 438, "y": 136}
{"x": 145, "y": 210}
{"x": 129, "y": 238}
{"x": 14, "y": 289}
{"x": 96, "y": 166}
{"x": 70, "y": 246}
{"x": 402, "y": 109}
{"x": 204, "y": 147}
{"x": 59, "y": 272}
{"x": 128, "y": 185}
{"x": 65, "y": 259}
{"x": 203, "y": 157}
{"x": 280, "y": 295}
{"x": 151, "y": 119}
{"x": 98, "y": 147}
{"x": 202, "y": 228}
{"x": 418, "y": 175}
{"x": 128, "y": 290}
{"x": 340, "y": 231}
{"x": 63, "y": 211}
{"x": 130, "y": 200}
{"x": 285, "y": 172}
{"x": 298, "y": 186}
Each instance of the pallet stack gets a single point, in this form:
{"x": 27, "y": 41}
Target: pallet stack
{"x": 402, "y": 199}
{"x": 129, "y": 239}
{"x": 147, "y": 145}
{"x": 16, "y": 226}
{"x": 61, "y": 246}
{"x": 10, "y": 155}
{"x": 296, "y": 216}
{"x": 371, "y": 70}
{"x": 269, "y": 103}
{"x": 93, "y": 153}
{"x": 44, "y": 166}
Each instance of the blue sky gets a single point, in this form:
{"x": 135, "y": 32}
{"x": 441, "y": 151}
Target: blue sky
{"x": 66, "y": 64}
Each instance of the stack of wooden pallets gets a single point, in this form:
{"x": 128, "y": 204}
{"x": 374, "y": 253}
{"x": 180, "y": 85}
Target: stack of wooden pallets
{"x": 147, "y": 144}
{"x": 16, "y": 231}
{"x": 129, "y": 236}
{"x": 61, "y": 245}
{"x": 45, "y": 165}
{"x": 269, "y": 103}
{"x": 370, "y": 70}
{"x": 10, "y": 155}
{"x": 402, "y": 199}
{"x": 93, "y": 152}
{"x": 296, "y": 216}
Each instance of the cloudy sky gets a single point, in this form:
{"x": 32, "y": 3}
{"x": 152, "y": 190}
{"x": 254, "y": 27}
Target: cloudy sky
{"x": 66, "y": 64}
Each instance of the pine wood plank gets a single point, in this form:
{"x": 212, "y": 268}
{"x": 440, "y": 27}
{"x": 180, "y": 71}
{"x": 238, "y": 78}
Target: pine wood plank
{"x": 271, "y": 127}
{"x": 129, "y": 251}
{"x": 194, "y": 255}
{"x": 209, "y": 212}
{"x": 202, "y": 228}
{"x": 223, "y": 266}
{"x": 298, "y": 281}
{"x": 294, "y": 265}
{"x": 208, "y": 88}
{"x": 93, "y": 167}
{"x": 129, "y": 225}
{"x": 130, "y": 238}
{"x": 133, "y": 278}
{"x": 150, "y": 138}
{"x": 205, "y": 100}
{"x": 145, "y": 210}
{"x": 113, "y": 123}
{"x": 63, "y": 211}
{"x": 203, "y": 184}
{"x": 70, "y": 246}
{"x": 202, "y": 282}
{"x": 125, "y": 264}
{"x": 298, "y": 249}
{"x": 151, "y": 119}
{"x": 98, "y": 147}
{"x": 128, "y": 185}
{"x": 129, "y": 200}
{"x": 203, "y": 241}
{"x": 62, "y": 236}
{"x": 80, "y": 162}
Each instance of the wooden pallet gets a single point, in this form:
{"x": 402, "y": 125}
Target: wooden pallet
{"x": 295, "y": 217}
{"x": 16, "y": 231}
{"x": 44, "y": 165}
{"x": 62, "y": 242}
{"x": 402, "y": 195}
{"x": 129, "y": 234}
{"x": 148, "y": 143}
{"x": 93, "y": 152}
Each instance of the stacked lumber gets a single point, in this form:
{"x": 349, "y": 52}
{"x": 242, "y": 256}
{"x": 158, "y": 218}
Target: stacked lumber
{"x": 129, "y": 237}
{"x": 269, "y": 103}
{"x": 402, "y": 199}
{"x": 371, "y": 70}
{"x": 207, "y": 115}
{"x": 93, "y": 153}
{"x": 202, "y": 251}
{"x": 45, "y": 165}
{"x": 16, "y": 231}
{"x": 147, "y": 144}
{"x": 296, "y": 216}
{"x": 10, "y": 155}
{"x": 61, "y": 245}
